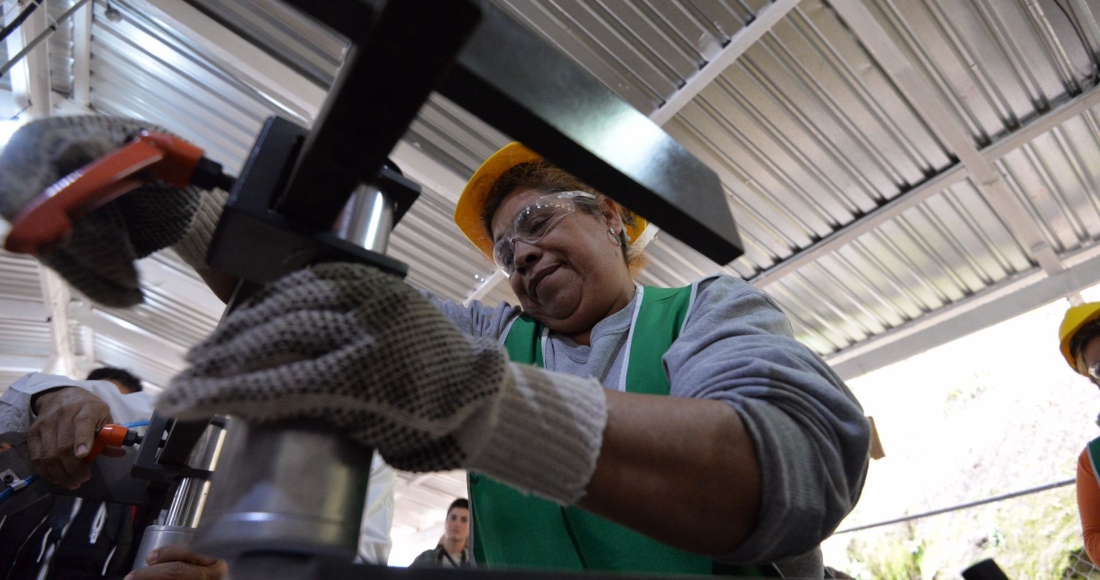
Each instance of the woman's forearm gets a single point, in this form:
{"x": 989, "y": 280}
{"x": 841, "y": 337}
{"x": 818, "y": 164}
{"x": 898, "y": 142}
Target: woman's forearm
{"x": 681, "y": 471}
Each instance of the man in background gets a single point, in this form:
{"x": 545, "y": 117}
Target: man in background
{"x": 68, "y": 537}
{"x": 453, "y": 550}
{"x": 60, "y": 416}
{"x": 126, "y": 382}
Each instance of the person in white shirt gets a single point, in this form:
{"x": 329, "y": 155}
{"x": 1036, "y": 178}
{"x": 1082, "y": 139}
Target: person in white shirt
{"x": 60, "y": 416}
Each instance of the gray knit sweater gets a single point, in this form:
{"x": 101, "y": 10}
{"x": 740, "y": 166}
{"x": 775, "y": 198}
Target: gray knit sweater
{"x": 737, "y": 347}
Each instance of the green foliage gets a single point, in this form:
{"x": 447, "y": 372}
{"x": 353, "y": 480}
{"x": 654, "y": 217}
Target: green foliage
{"x": 897, "y": 557}
{"x": 1031, "y": 537}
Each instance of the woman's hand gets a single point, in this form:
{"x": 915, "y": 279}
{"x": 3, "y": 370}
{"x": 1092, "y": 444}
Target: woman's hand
{"x": 361, "y": 350}
{"x": 98, "y": 258}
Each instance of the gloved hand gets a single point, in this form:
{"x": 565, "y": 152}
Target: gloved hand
{"x": 99, "y": 258}
{"x": 363, "y": 351}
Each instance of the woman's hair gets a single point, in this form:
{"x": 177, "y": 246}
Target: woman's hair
{"x": 547, "y": 177}
{"x": 1082, "y": 337}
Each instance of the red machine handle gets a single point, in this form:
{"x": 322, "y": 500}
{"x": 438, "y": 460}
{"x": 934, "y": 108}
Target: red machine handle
{"x": 108, "y": 435}
{"x": 46, "y": 223}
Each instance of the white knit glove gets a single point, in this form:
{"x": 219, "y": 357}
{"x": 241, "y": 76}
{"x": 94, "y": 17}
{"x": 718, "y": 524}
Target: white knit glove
{"x": 357, "y": 348}
{"x": 99, "y": 258}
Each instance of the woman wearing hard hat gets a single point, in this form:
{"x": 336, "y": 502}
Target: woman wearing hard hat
{"x": 607, "y": 426}
{"x": 1077, "y": 335}
{"x": 756, "y": 460}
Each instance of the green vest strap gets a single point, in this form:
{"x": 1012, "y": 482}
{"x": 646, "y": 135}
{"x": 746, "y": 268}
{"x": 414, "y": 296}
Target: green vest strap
{"x": 515, "y": 530}
{"x": 1094, "y": 457}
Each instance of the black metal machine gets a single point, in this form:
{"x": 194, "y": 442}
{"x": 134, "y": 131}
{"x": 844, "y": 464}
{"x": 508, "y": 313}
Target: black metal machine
{"x": 294, "y": 187}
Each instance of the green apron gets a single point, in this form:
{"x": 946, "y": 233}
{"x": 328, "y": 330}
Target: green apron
{"x": 516, "y": 530}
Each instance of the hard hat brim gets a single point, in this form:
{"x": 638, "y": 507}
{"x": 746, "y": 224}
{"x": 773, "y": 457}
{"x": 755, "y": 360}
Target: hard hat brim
{"x": 475, "y": 196}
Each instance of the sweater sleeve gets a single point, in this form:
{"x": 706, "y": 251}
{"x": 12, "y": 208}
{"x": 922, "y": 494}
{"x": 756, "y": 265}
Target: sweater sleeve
{"x": 15, "y": 403}
{"x": 1088, "y": 503}
{"x": 809, "y": 432}
{"x": 477, "y": 319}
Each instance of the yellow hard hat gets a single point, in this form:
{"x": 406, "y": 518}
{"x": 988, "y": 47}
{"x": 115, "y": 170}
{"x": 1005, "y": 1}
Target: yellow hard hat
{"x": 1076, "y": 318}
{"x": 476, "y": 195}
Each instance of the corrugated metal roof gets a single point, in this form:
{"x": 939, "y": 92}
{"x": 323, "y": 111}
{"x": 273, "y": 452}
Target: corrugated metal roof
{"x": 807, "y": 130}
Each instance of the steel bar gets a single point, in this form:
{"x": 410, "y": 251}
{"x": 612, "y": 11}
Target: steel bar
{"x": 18, "y": 20}
{"x": 563, "y": 112}
{"x": 388, "y": 74}
{"x": 40, "y": 38}
{"x": 567, "y": 115}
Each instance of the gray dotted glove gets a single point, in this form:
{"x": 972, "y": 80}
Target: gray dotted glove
{"x": 99, "y": 258}
{"x": 361, "y": 350}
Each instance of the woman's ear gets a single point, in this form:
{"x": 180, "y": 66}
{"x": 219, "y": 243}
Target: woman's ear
{"x": 609, "y": 210}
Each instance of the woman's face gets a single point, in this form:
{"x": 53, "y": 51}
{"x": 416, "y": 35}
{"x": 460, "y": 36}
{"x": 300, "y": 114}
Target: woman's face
{"x": 458, "y": 524}
{"x": 1091, "y": 354}
{"x": 575, "y": 275}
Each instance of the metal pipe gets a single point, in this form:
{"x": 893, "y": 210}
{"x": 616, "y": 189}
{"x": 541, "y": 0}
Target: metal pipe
{"x": 188, "y": 501}
{"x": 290, "y": 487}
{"x": 367, "y": 219}
{"x": 38, "y": 39}
{"x": 1063, "y": 62}
{"x": 157, "y": 536}
{"x": 186, "y": 507}
{"x": 14, "y": 24}
{"x": 1081, "y": 10}
{"x": 291, "y": 490}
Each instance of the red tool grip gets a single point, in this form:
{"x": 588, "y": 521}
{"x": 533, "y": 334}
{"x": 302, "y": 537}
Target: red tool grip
{"x": 107, "y": 435}
{"x": 46, "y": 223}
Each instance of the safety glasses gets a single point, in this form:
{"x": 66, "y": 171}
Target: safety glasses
{"x": 532, "y": 223}
{"x": 1094, "y": 374}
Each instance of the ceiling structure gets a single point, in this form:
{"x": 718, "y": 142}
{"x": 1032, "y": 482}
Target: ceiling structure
{"x": 902, "y": 172}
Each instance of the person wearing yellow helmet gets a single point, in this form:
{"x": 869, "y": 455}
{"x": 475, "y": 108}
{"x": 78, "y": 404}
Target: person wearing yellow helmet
{"x": 754, "y": 458}
{"x": 1078, "y": 344}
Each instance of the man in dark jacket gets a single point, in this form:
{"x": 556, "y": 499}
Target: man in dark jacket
{"x": 453, "y": 550}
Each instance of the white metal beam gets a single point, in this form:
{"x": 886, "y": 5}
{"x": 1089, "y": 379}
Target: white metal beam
{"x": 1009, "y": 298}
{"x": 82, "y": 55}
{"x": 864, "y": 224}
{"x": 186, "y": 289}
{"x": 248, "y": 63}
{"x": 738, "y": 44}
{"x": 938, "y": 115}
{"x": 875, "y": 218}
{"x": 487, "y": 285}
{"x": 30, "y": 77}
{"x": 163, "y": 351}
{"x": 425, "y": 170}
{"x": 24, "y": 310}
{"x": 56, "y": 297}
{"x": 22, "y": 363}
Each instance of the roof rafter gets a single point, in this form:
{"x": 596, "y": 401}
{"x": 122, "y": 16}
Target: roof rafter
{"x": 768, "y": 17}
{"x": 939, "y": 116}
{"x": 951, "y": 176}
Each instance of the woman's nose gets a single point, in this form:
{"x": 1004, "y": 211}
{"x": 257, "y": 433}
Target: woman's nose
{"x": 526, "y": 254}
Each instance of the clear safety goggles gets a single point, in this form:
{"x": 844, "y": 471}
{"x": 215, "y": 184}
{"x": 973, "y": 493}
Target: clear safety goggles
{"x": 532, "y": 223}
{"x": 1094, "y": 374}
